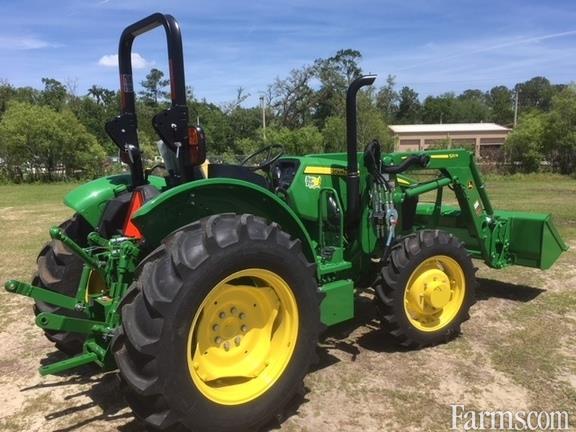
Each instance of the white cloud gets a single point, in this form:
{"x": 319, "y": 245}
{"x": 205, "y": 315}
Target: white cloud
{"x": 22, "y": 43}
{"x": 138, "y": 62}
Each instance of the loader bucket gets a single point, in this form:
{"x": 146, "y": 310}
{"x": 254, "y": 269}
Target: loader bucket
{"x": 534, "y": 241}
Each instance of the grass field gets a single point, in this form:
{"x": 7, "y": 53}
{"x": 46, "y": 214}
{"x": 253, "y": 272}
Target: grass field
{"x": 516, "y": 353}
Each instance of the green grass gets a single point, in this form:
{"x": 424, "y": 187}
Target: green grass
{"x": 544, "y": 193}
{"x": 540, "y": 193}
{"x": 34, "y": 194}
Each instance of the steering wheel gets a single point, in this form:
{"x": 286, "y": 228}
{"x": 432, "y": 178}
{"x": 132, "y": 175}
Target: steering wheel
{"x": 269, "y": 158}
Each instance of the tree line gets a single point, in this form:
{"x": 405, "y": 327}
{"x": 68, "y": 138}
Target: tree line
{"x": 53, "y": 132}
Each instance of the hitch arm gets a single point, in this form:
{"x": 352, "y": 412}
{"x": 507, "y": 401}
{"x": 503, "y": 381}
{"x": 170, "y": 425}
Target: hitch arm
{"x": 57, "y": 234}
{"x": 50, "y": 321}
{"x": 42, "y": 294}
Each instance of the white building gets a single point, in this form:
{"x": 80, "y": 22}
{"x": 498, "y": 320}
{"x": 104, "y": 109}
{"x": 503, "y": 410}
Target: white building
{"x": 485, "y": 138}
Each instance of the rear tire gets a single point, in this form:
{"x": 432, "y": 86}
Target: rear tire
{"x": 180, "y": 349}
{"x": 426, "y": 289}
{"x": 59, "y": 270}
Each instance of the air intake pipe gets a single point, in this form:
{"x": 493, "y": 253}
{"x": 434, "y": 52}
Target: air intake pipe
{"x": 353, "y": 175}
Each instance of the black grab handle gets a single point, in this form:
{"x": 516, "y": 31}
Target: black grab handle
{"x": 175, "y": 59}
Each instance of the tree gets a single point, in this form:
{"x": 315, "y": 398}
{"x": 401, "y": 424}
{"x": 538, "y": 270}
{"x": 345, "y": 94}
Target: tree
{"x": 6, "y": 93}
{"x": 153, "y": 87}
{"x": 102, "y": 96}
{"x": 219, "y": 134}
{"x": 371, "y": 125}
{"x": 472, "y": 107}
{"x": 524, "y": 144}
{"x": 500, "y": 99}
{"x": 408, "y": 107}
{"x": 293, "y": 98}
{"x": 387, "y": 99}
{"x": 559, "y": 135}
{"x": 28, "y": 94}
{"x": 54, "y": 94}
{"x": 43, "y": 139}
{"x": 334, "y": 134}
{"x": 245, "y": 122}
{"x": 304, "y": 140}
{"x": 439, "y": 109}
{"x": 340, "y": 69}
{"x": 335, "y": 74}
{"x": 241, "y": 96}
{"x": 371, "y": 122}
{"x": 535, "y": 93}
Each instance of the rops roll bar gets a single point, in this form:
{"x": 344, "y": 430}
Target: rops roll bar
{"x": 171, "y": 124}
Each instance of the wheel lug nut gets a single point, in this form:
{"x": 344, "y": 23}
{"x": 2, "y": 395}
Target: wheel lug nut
{"x": 215, "y": 327}
{"x": 244, "y": 329}
{"x": 242, "y": 315}
{"x": 233, "y": 310}
{"x": 226, "y": 346}
{"x": 237, "y": 340}
{"x": 222, "y": 315}
{"x": 218, "y": 340}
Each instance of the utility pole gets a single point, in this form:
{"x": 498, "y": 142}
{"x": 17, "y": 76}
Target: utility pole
{"x": 263, "y": 105}
{"x": 516, "y": 108}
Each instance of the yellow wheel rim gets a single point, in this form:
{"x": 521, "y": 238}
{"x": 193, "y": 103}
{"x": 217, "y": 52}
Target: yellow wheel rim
{"x": 242, "y": 336}
{"x": 434, "y": 293}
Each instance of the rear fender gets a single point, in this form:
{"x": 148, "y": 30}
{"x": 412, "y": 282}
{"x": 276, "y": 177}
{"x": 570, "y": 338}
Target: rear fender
{"x": 191, "y": 201}
{"x": 90, "y": 199}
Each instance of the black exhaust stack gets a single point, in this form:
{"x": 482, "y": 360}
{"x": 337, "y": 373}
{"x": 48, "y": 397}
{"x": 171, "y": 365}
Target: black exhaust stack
{"x": 353, "y": 214}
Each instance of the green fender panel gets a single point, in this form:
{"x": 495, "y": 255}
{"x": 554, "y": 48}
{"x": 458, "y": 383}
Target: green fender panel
{"x": 90, "y": 199}
{"x": 191, "y": 201}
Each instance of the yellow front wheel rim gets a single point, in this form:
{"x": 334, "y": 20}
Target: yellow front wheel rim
{"x": 242, "y": 336}
{"x": 435, "y": 293}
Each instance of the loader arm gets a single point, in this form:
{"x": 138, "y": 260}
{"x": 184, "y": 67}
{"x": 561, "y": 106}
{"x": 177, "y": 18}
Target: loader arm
{"x": 500, "y": 238}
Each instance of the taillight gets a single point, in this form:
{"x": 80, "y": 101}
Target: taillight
{"x": 197, "y": 145}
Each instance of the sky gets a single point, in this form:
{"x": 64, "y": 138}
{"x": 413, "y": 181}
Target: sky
{"x": 432, "y": 46}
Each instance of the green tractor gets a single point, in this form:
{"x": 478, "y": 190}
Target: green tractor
{"x": 209, "y": 291}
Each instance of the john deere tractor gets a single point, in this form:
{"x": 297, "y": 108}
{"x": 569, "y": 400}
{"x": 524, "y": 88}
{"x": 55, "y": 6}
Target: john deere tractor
{"x": 208, "y": 289}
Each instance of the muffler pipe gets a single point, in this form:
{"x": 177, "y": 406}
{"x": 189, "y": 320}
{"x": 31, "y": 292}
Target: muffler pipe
{"x": 353, "y": 175}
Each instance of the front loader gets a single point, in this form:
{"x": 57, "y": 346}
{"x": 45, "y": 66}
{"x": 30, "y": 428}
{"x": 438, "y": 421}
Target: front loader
{"x": 209, "y": 292}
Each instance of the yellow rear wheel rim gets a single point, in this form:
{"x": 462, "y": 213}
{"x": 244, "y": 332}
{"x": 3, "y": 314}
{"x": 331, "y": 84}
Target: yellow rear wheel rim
{"x": 242, "y": 336}
{"x": 435, "y": 293}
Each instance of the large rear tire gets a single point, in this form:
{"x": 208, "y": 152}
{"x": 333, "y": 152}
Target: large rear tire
{"x": 426, "y": 289}
{"x": 220, "y": 328}
{"x": 59, "y": 270}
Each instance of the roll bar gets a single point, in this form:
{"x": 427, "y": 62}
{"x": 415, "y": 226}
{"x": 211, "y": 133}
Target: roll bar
{"x": 123, "y": 129}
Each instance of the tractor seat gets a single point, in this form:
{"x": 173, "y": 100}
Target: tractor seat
{"x": 237, "y": 172}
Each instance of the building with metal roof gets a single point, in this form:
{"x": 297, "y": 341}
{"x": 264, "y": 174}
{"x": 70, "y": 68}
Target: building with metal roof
{"x": 485, "y": 139}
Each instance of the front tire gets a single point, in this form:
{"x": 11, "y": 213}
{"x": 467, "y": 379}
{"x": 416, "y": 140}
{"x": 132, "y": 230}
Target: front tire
{"x": 220, "y": 328}
{"x": 426, "y": 289}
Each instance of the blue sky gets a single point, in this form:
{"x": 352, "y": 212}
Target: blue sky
{"x": 433, "y": 46}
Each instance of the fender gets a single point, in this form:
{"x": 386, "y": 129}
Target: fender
{"x": 191, "y": 201}
{"x": 90, "y": 199}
